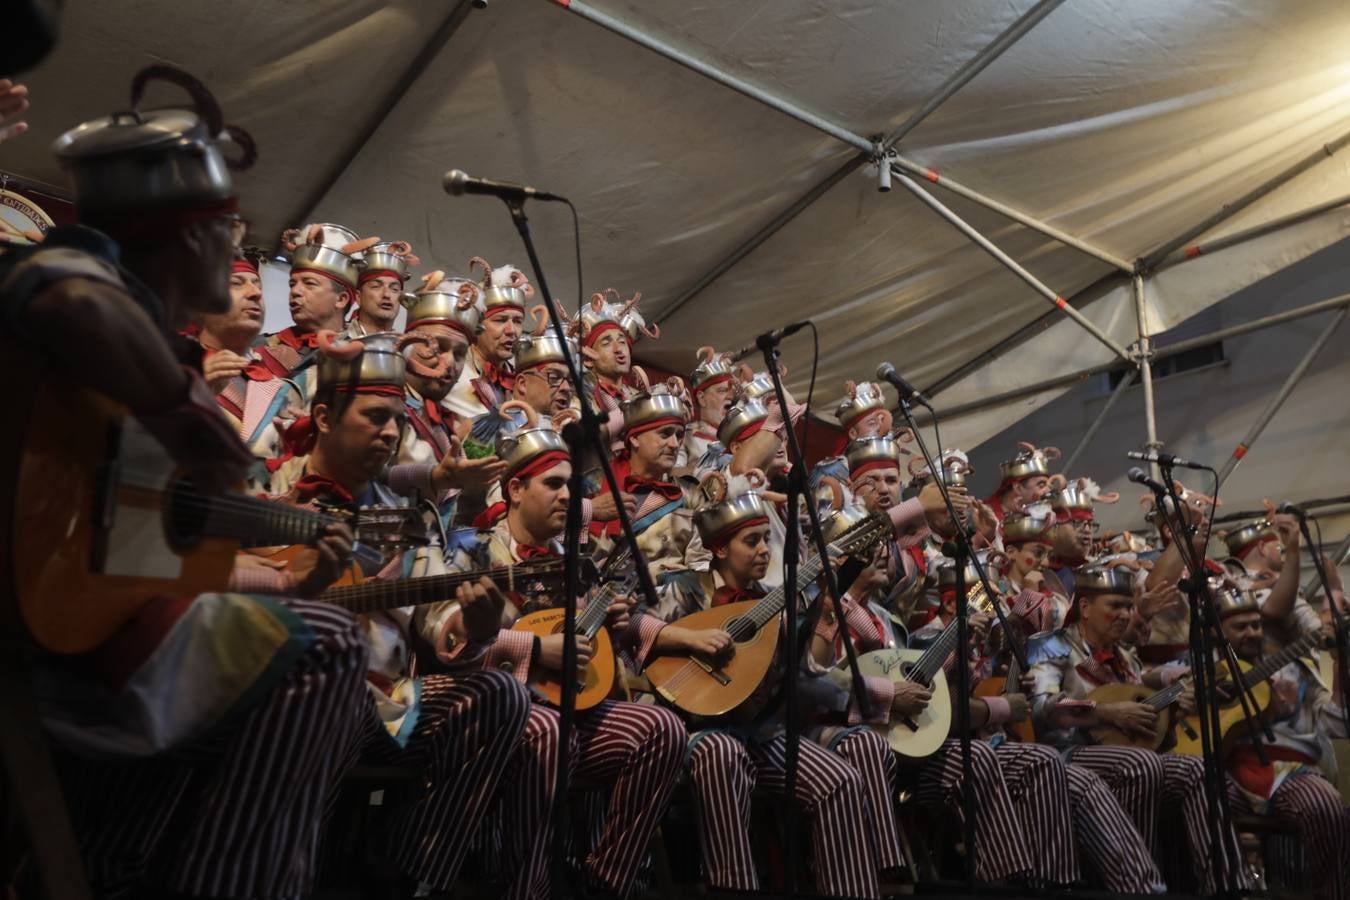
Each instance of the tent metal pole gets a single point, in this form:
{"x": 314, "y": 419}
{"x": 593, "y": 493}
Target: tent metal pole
{"x": 869, "y": 147}
{"x": 1092, "y": 429}
{"x": 1285, "y": 390}
{"x": 361, "y": 136}
{"x": 1075, "y": 378}
{"x": 1151, "y": 261}
{"x": 1146, "y": 372}
{"x": 959, "y": 79}
{"x": 974, "y": 66}
{"x": 1247, "y": 234}
{"x": 930, "y": 174}
{"x": 1011, "y": 264}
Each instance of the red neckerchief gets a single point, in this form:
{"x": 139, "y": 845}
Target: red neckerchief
{"x": 435, "y": 413}
{"x": 615, "y": 391}
{"x": 498, "y": 376}
{"x": 637, "y": 485}
{"x": 311, "y": 486}
{"x": 1111, "y": 659}
{"x": 297, "y": 340}
{"x": 527, "y": 552}
{"x": 254, "y": 371}
{"x": 728, "y": 594}
{"x": 920, "y": 559}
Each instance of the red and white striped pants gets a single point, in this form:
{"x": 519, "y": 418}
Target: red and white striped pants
{"x": 633, "y": 749}
{"x": 1312, "y": 803}
{"x": 467, "y": 728}
{"x": 725, "y": 771}
{"x": 1170, "y": 786}
{"x": 1038, "y": 787}
{"x": 1001, "y": 850}
{"x": 247, "y": 804}
{"x": 872, "y": 757}
{"x": 1114, "y": 856}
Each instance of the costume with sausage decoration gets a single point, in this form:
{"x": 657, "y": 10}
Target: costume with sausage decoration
{"x": 485, "y": 384}
{"x": 609, "y": 390}
{"x": 393, "y": 259}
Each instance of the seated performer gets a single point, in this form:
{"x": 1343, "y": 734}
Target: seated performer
{"x": 632, "y": 749}
{"x": 1075, "y": 532}
{"x": 198, "y": 708}
{"x": 862, "y": 414}
{"x": 379, "y": 290}
{"x": 324, "y": 272}
{"x": 1067, "y": 665}
{"x": 459, "y": 724}
{"x": 485, "y": 381}
{"x": 430, "y": 460}
{"x": 727, "y": 759}
{"x": 1303, "y": 716}
{"x": 257, "y": 402}
{"x": 1027, "y": 548}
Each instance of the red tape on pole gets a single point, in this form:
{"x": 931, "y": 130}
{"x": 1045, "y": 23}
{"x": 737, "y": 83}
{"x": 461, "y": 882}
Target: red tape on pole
{"x": 1240, "y": 452}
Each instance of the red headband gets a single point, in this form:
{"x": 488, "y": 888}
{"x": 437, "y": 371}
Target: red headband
{"x": 716, "y": 379}
{"x": 347, "y": 287}
{"x": 382, "y": 390}
{"x": 501, "y": 308}
{"x": 725, "y": 536}
{"x": 873, "y": 464}
{"x": 1074, "y": 514}
{"x": 748, "y": 431}
{"x": 147, "y": 225}
{"x": 607, "y": 325}
{"x": 542, "y": 463}
{"x": 376, "y": 273}
{"x": 243, "y": 265}
{"x": 449, "y": 323}
{"x": 654, "y": 423}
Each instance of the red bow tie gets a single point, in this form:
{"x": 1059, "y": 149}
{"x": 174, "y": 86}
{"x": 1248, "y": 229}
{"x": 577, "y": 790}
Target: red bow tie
{"x": 254, "y": 371}
{"x": 298, "y": 340}
{"x": 636, "y": 484}
{"x": 436, "y": 414}
{"x": 313, "y": 486}
{"x": 530, "y": 551}
{"x": 728, "y": 594}
{"x": 499, "y": 375}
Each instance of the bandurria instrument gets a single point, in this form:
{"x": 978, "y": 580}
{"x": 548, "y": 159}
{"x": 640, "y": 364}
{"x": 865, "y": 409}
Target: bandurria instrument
{"x": 1161, "y": 702}
{"x": 703, "y": 687}
{"x": 1023, "y": 731}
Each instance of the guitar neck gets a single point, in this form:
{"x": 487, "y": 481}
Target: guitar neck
{"x": 1268, "y": 667}
{"x": 252, "y": 521}
{"x": 374, "y": 596}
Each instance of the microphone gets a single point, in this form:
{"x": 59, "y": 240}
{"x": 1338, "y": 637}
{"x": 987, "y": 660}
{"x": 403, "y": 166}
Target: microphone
{"x": 768, "y": 339}
{"x": 886, "y": 372}
{"x": 1139, "y": 476}
{"x": 457, "y": 181}
{"x": 1290, "y": 509}
{"x": 1164, "y": 459}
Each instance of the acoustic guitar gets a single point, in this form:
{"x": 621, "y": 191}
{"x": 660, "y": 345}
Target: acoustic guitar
{"x": 601, "y": 677}
{"x": 1161, "y": 701}
{"x": 102, "y": 521}
{"x": 1230, "y": 712}
{"x": 708, "y": 688}
{"x": 996, "y": 686}
{"x": 360, "y": 595}
{"x": 921, "y": 735}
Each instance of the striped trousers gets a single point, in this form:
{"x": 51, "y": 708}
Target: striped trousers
{"x": 467, "y": 727}
{"x": 1001, "y": 850}
{"x": 872, "y": 757}
{"x": 1152, "y": 786}
{"x": 239, "y": 815}
{"x": 1312, "y": 803}
{"x": 724, "y": 772}
{"x": 1038, "y": 787}
{"x": 1114, "y": 856}
{"x": 630, "y": 748}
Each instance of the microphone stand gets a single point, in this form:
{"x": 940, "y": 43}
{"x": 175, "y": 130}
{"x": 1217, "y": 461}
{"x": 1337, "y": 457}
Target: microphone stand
{"x": 1338, "y": 618}
{"x": 1204, "y": 626}
{"x": 961, "y": 552}
{"x": 589, "y": 426}
{"x": 796, "y": 486}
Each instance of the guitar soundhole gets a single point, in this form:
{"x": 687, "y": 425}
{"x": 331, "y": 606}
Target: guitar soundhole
{"x": 741, "y": 628}
{"x": 185, "y": 516}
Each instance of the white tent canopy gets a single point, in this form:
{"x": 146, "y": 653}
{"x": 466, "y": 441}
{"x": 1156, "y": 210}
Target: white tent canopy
{"x": 1121, "y": 124}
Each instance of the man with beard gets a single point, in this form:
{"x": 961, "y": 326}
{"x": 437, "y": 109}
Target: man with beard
{"x": 429, "y": 459}
{"x": 486, "y": 379}
{"x": 862, "y": 414}
{"x": 384, "y": 271}
{"x": 258, "y": 403}
{"x": 632, "y": 749}
{"x": 324, "y": 272}
{"x": 1263, "y": 556}
{"x": 141, "y": 718}
{"x": 1152, "y": 787}
{"x": 1303, "y": 717}
{"x": 458, "y": 724}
